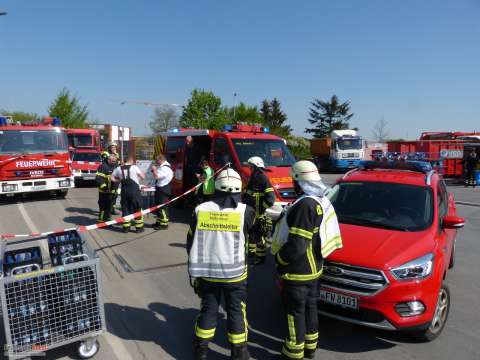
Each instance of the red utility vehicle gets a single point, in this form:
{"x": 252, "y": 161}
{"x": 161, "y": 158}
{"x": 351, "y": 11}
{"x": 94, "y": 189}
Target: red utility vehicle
{"x": 34, "y": 157}
{"x": 236, "y": 144}
{"x": 399, "y": 225}
{"x": 85, "y": 164}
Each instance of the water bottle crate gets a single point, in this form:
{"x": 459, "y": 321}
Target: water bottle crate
{"x": 53, "y": 305}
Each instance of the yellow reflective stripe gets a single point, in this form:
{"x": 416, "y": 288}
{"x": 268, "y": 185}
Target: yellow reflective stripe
{"x": 204, "y": 333}
{"x": 300, "y": 277}
{"x": 311, "y": 258}
{"x": 319, "y": 210}
{"x": 311, "y": 346}
{"x": 237, "y": 338}
{"x": 313, "y": 336}
{"x": 265, "y": 205}
{"x": 245, "y": 322}
{"x": 268, "y": 189}
{"x": 331, "y": 244}
{"x": 291, "y": 355}
{"x": 237, "y": 279}
{"x": 102, "y": 174}
{"x": 300, "y": 232}
{"x": 291, "y": 331}
{"x": 280, "y": 260}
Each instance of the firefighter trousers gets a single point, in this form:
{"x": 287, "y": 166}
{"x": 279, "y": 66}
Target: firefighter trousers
{"x": 257, "y": 246}
{"x": 470, "y": 178}
{"x": 161, "y": 197}
{"x": 105, "y": 205}
{"x": 300, "y": 303}
{"x": 235, "y": 295}
{"x": 130, "y": 206}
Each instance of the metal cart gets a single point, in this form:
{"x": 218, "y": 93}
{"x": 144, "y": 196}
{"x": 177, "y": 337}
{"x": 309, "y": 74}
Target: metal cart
{"x": 51, "y": 295}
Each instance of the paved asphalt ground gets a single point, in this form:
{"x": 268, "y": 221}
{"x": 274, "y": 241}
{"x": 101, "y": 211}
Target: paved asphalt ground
{"x": 150, "y": 306}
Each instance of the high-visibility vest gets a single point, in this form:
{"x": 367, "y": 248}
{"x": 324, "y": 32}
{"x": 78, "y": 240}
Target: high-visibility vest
{"x": 209, "y": 184}
{"x": 329, "y": 229}
{"x": 218, "y": 247}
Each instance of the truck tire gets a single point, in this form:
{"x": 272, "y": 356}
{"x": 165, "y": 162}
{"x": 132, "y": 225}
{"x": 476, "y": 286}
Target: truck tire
{"x": 439, "y": 318}
{"x": 62, "y": 193}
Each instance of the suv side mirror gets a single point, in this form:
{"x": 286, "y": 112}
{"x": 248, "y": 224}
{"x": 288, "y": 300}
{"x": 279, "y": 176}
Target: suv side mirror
{"x": 453, "y": 222}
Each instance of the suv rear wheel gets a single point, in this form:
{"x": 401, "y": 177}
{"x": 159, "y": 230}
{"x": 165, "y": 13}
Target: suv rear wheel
{"x": 439, "y": 318}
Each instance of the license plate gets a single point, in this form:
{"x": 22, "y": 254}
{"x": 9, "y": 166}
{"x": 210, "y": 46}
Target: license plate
{"x": 88, "y": 177}
{"x": 39, "y": 187}
{"x": 345, "y": 301}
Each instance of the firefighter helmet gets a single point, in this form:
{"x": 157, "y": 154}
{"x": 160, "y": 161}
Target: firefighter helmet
{"x": 111, "y": 144}
{"x": 257, "y": 161}
{"x": 228, "y": 181}
{"x": 305, "y": 170}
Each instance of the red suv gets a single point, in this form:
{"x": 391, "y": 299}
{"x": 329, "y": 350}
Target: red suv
{"x": 399, "y": 225}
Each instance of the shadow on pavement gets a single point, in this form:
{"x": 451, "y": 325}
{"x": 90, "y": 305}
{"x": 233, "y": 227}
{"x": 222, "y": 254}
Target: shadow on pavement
{"x": 168, "y": 326}
{"x": 81, "y": 210}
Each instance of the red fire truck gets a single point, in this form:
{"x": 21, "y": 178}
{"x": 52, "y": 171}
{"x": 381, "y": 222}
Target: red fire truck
{"x": 235, "y": 144}
{"x": 34, "y": 157}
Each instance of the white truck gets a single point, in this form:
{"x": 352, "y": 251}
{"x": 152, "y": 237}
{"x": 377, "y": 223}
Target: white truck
{"x": 343, "y": 150}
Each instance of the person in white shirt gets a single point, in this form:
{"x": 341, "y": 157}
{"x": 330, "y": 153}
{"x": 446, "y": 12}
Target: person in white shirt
{"x": 129, "y": 175}
{"x": 163, "y": 174}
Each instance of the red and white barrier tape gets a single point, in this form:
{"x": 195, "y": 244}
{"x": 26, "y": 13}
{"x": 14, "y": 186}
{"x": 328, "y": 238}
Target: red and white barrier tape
{"x": 84, "y": 228}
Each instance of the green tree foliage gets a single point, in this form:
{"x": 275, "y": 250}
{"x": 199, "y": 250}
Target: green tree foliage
{"x": 20, "y": 116}
{"x": 273, "y": 117}
{"x": 163, "y": 119}
{"x": 243, "y": 113}
{"x": 299, "y": 146}
{"x": 203, "y": 111}
{"x": 68, "y": 108}
{"x": 326, "y": 116}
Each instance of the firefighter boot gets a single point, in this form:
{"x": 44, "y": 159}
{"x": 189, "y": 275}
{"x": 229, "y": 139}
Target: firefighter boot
{"x": 240, "y": 352}
{"x": 200, "y": 349}
{"x": 309, "y": 354}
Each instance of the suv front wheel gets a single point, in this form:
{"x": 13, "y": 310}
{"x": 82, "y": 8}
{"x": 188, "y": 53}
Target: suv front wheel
{"x": 439, "y": 318}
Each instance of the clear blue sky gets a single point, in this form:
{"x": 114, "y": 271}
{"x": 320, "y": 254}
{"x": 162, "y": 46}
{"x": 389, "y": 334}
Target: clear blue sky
{"x": 414, "y": 62}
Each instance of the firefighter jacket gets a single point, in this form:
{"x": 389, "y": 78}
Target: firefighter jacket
{"x": 217, "y": 242}
{"x": 103, "y": 178}
{"x": 313, "y": 235}
{"x": 259, "y": 192}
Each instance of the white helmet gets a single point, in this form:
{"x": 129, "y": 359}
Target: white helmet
{"x": 257, "y": 161}
{"x": 228, "y": 181}
{"x": 305, "y": 170}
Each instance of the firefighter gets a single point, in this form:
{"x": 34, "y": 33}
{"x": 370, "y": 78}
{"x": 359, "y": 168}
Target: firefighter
{"x": 205, "y": 176}
{"x": 300, "y": 259}
{"x": 112, "y": 150}
{"x": 163, "y": 175}
{"x": 220, "y": 228}
{"x": 470, "y": 163}
{"x": 129, "y": 175}
{"x": 106, "y": 188}
{"x": 260, "y": 195}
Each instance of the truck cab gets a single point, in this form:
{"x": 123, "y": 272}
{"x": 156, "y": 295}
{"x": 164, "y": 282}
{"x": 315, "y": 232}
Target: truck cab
{"x": 34, "y": 157}
{"x": 234, "y": 145}
{"x": 346, "y": 150}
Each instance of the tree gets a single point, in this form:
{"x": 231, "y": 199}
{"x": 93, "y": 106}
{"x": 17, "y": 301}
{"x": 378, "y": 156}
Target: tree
{"x": 203, "y": 111}
{"x": 327, "y": 116}
{"x": 275, "y": 118}
{"x": 380, "y": 133}
{"x": 68, "y": 109}
{"x": 163, "y": 119}
{"x": 244, "y": 113}
{"x": 20, "y": 115}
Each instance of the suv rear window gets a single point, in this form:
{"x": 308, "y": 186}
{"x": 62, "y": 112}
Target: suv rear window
{"x": 383, "y": 205}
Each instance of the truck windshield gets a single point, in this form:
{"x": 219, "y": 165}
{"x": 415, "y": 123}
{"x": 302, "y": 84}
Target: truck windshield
{"x": 383, "y": 205}
{"x": 349, "y": 144}
{"x": 87, "y": 157}
{"x": 32, "y": 141}
{"x": 273, "y": 152}
{"x": 80, "y": 140}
